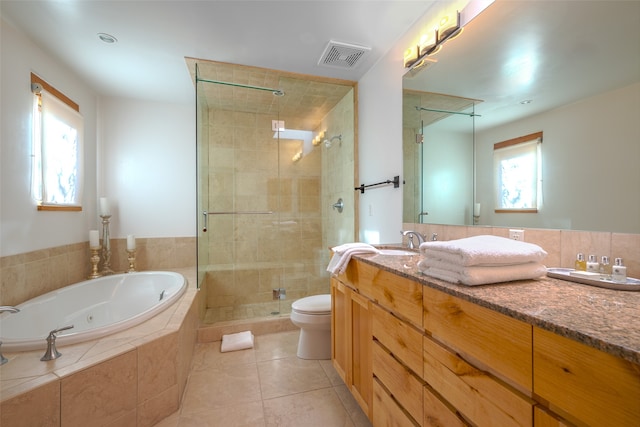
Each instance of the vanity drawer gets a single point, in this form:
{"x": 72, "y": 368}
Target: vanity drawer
{"x": 491, "y": 340}
{"x": 437, "y": 413}
{"x": 401, "y": 296}
{"x": 404, "y": 386}
{"x": 583, "y": 383}
{"x": 386, "y": 412}
{"x": 355, "y": 279}
{"x": 402, "y": 340}
{"x": 480, "y": 398}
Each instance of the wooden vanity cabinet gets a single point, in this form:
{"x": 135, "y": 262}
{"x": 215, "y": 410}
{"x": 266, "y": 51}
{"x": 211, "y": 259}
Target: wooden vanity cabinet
{"x": 351, "y": 341}
{"x": 413, "y": 355}
{"x": 583, "y": 384}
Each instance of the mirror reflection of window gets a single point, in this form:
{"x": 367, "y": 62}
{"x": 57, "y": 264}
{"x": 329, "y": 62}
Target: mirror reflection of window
{"x": 517, "y": 168}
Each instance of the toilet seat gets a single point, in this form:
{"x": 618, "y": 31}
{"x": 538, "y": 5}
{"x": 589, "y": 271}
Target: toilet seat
{"x": 314, "y": 305}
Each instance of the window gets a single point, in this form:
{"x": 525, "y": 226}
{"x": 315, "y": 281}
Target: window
{"x": 517, "y": 166}
{"x": 58, "y": 133}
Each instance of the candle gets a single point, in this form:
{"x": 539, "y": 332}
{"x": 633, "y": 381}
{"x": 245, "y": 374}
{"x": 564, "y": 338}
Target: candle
{"x": 131, "y": 242}
{"x": 94, "y": 239}
{"x": 104, "y": 207}
{"x": 476, "y": 209}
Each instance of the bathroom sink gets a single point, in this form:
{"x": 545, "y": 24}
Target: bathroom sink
{"x": 397, "y": 252}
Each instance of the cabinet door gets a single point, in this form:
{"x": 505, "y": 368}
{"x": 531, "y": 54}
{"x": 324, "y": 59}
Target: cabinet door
{"x": 585, "y": 384}
{"x": 361, "y": 360}
{"x": 340, "y": 328}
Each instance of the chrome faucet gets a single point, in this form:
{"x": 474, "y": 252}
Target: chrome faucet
{"x": 7, "y": 309}
{"x": 410, "y": 234}
{"x": 52, "y": 352}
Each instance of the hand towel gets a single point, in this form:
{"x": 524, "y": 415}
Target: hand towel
{"x": 342, "y": 254}
{"x": 481, "y": 275}
{"x": 238, "y": 341}
{"x": 483, "y": 250}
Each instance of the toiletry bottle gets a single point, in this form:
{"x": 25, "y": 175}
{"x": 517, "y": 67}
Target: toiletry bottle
{"x": 581, "y": 264}
{"x": 605, "y": 267}
{"x": 619, "y": 271}
{"x": 592, "y": 264}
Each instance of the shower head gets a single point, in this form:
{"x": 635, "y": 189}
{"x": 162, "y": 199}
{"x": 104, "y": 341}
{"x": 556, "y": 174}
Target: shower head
{"x": 329, "y": 142}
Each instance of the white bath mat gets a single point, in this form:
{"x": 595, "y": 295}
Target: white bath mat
{"x": 239, "y": 341}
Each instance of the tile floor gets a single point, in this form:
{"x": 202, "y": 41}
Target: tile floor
{"x": 267, "y": 386}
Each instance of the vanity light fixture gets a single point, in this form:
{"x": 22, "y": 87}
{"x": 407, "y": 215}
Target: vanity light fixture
{"x": 447, "y": 29}
{"x": 296, "y": 157}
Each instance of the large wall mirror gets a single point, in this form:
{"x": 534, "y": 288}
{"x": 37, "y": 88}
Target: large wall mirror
{"x": 568, "y": 69}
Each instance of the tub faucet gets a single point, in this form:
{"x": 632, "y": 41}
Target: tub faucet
{"x": 52, "y": 352}
{"x": 7, "y": 309}
{"x": 409, "y": 234}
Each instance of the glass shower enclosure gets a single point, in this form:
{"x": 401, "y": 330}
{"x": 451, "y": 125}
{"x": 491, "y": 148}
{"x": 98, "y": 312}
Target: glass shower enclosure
{"x": 266, "y": 180}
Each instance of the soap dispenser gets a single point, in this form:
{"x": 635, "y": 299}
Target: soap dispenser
{"x": 619, "y": 271}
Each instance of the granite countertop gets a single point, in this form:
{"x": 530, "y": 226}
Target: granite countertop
{"x": 608, "y": 320}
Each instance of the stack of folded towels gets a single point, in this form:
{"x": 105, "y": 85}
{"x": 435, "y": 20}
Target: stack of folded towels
{"x": 480, "y": 260}
{"x": 342, "y": 254}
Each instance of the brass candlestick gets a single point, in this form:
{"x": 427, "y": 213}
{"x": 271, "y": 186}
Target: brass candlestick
{"x": 106, "y": 246}
{"x": 131, "y": 257}
{"x": 95, "y": 259}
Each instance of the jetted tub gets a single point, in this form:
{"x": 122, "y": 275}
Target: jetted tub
{"x": 95, "y": 308}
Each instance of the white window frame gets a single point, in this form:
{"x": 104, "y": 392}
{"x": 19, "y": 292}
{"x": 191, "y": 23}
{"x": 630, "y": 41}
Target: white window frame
{"x": 526, "y": 151}
{"x": 58, "y": 142}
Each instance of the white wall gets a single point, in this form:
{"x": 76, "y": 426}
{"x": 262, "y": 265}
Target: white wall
{"x": 148, "y": 161}
{"x": 22, "y": 227}
{"x": 139, "y": 154}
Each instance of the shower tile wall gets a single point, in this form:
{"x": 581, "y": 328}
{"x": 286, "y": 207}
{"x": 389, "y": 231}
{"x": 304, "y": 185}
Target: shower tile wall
{"x": 249, "y": 255}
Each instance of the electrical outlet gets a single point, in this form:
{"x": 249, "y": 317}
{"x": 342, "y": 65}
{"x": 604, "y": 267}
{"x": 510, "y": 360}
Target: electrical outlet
{"x": 516, "y": 235}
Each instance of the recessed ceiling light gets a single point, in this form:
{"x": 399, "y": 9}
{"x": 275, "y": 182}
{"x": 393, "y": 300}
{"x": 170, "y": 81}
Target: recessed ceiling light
{"x": 107, "y": 38}
{"x": 526, "y": 101}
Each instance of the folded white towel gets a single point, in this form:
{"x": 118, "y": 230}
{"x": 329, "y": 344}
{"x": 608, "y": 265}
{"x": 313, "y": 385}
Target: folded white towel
{"x": 342, "y": 254}
{"x": 238, "y": 341}
{"x": 483, "y": 250}
{"x": 480, "y": 275}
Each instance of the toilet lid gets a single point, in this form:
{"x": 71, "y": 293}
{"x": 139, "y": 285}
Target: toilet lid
{"x": 316, "y": 304}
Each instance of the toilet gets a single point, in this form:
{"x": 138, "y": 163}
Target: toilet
{"x": 313, "y": 316}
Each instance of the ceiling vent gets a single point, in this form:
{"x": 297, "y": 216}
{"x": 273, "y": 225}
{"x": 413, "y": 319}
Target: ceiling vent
{"x": 342, "y": 55}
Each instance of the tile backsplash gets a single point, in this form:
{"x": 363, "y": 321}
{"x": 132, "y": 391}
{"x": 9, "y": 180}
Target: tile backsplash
{"x": 28, "y": 275}
{"x": 561, "y": 245}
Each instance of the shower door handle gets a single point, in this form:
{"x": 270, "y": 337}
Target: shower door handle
{"x": 206, "y": 214}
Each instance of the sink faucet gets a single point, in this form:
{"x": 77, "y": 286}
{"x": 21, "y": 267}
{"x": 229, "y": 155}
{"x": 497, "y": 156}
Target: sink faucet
{"x": 8, "y": 309}
{"x": 410, "y": 234}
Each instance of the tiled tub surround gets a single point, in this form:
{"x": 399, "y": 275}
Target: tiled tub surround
{"x": 28, "y": 275}
{"x": 608, "y": 320}
{"x": 134, "y": 377}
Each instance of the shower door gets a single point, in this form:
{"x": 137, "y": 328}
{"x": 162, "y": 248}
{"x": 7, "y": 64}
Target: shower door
{"x": 265, "y": 191}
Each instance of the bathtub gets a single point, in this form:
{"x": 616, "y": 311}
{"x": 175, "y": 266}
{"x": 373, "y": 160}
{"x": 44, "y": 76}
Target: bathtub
{"x": 95, "y": 308}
